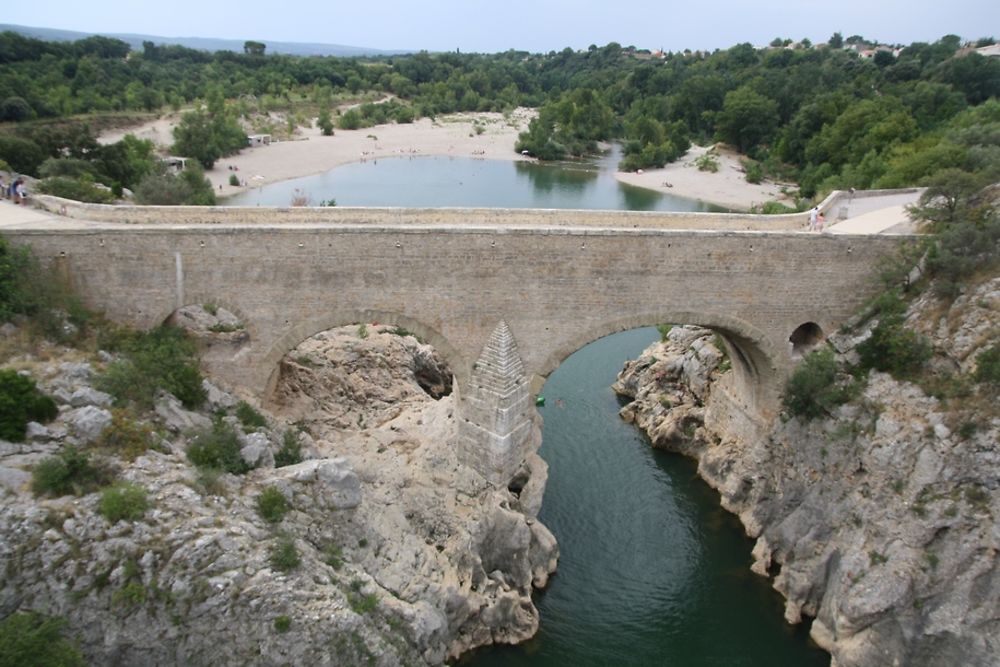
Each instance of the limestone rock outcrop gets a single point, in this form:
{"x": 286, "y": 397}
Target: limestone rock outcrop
{"x": 878, "y": 523}
{"x": 405, "y": 555}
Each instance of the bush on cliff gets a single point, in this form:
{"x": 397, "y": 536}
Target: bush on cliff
{"x": 20, "y": 403}
{"x": 69, "y": 471}
{"x": 32, "y": 640}
{"x": 813, "y": 390}
{"x": 123, "y": 501}
{"x": 218, "y": 448}
{"x": 894, "y": 349}
{"x": 161, "y": 358}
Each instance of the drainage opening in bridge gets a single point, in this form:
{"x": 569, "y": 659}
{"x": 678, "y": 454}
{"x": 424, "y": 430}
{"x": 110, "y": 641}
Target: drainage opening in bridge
{"x": 358, "y": 376}
{"x": 805, "y": 338}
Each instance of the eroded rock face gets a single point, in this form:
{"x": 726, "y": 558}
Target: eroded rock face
{"x": 879, "y": 521}
{"x": 406, "y": 556}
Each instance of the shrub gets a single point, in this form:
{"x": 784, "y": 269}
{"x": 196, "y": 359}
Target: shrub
{"x": 988, "y": 366}
{"x": 707, "y": 162}
{"x": 894, "y": 349}
{"x": 161, "y": 358}
{"x": 290, "y": 451}
{"x": 32, "y": 640}
{"x": 282, "y": 624}
{"x": 272, "y": 505}
{"x": 69, "y": 471}
{"x": 78, "y": 189}
{"x": 249, "y": 417}
{"x": 333, "y": 556}
{"x": 123, "y": 501}
{"x": 664, "y": 329}
{"x": 813, "y": 390}
{"x": 285, "y": 555}
{"x": 20, "y": 403}
{"x": 234, "y": 180}
{"x": 360, "y": 603}
{"x": 754, "y": 171}
{"x": 126, "y": 437}
{"x": 218, "y": 447}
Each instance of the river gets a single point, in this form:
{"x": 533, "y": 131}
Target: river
{"x": 428, "y": 181}
{"x": 653, "y": 571}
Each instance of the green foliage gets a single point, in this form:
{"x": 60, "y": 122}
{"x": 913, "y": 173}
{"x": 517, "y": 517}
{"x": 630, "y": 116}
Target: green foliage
{"x": 754, "y": 171}
{"x": 813, "y": 389}
{"x": 78, "y": 189}
{"x": 284, "y": 555}
{"x": 164, "y": 358}
{"x": 69, "y": 471}
{"x": 207, "y": 135}
{"x": 894, "y": 349}
{"x": 125, "y": 436}
{"x": 219, "y": 448}
{"x": 123, "y": 501}
{"x": 188, "y": 188}
{"x": 747, "y": 119}
{"x": 290, "y": 451}
{"x": 362, "y": 331}
{"x": 359, "y": 602}
{"x": 234, "y": 180}
{"x": 569, "y": 125}
{"x": 988, "y": 366}
{"x": 707, "y": 162}
{"x": 29, "y": 639}
{"x": 21, "y": 402}
{"x": 272, "y": 506}
{"x": 325, "y": 123}
{"x": 282, "y": 624}
{"x": 249, "y": 416}
{"x": 23, "y": 155}
{"x": 333, "y": 556}
{"x": 664, "y": 329}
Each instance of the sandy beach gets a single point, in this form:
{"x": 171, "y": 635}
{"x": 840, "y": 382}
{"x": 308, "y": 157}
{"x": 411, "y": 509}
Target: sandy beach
{"x": 453, "y": 135}
{"x": 727, "y": 187}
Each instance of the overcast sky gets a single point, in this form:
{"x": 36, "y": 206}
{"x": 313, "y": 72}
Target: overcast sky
{"x": 530, "y": 25}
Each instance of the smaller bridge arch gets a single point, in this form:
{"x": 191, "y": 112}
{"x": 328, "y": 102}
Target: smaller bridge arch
{"x": 296, "y": 333}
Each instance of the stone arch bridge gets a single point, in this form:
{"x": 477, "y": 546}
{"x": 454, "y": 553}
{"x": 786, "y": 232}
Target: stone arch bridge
{"x": 504, "y": 295}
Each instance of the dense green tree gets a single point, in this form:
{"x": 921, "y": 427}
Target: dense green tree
{"x": 747, "y": 119}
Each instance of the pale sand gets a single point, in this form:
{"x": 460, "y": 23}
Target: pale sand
{"x": 727, "y": 187}
{"x": 454, "y": 135}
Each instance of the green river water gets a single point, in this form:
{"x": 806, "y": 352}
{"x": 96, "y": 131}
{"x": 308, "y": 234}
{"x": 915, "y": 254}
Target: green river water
{"x": 652, "y": 570}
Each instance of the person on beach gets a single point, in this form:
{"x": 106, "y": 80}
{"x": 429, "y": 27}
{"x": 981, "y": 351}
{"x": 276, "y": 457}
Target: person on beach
{"x": 813, "y": 218}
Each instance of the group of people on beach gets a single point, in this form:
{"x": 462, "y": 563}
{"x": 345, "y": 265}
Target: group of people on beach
{"x": 16, "y": 191}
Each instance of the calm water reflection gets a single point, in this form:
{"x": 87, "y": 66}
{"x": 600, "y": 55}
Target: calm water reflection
{"x": 463, "y": 181}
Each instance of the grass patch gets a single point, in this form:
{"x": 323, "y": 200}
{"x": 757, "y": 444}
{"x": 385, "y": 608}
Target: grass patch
{"x": 290, "y": 451}
{"x": 123, "y": 501}
{"x": 219, "y": 448}
{"x": 69, "y": 472}
{"x": 359, "y": 602}
{"x": 282, "y": 624}
{"x": 125, "y": 436}
{"x": 285, "y": 555}
{"x": 249, "y": 416}
{"x": 33, "y": 640}
{"x": 272, "y": 506}
{"x": 333, "y": 556}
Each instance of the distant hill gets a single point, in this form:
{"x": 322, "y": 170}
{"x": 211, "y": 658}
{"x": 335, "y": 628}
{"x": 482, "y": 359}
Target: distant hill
{"x": 202, "y": 43}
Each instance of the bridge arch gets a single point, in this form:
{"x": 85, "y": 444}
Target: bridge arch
{"x": 297, "y": 332}
{"x": 755, "y": 358}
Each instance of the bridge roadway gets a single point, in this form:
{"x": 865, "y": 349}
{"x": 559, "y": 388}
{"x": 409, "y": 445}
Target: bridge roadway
{"x": 519, "y": 289}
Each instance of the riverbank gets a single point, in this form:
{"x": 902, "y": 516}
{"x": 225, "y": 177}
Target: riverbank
{"x": 483, "y": 135}
{"x": 726, "y": 187}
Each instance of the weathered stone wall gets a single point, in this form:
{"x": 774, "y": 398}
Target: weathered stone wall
{"x": 557, "y": 287}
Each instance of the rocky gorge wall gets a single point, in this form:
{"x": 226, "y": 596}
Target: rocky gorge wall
{"x": 405, "y": 556}
{"x": 878, "y": 522}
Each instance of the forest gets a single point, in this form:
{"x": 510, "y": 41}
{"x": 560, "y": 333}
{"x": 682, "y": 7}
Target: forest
{"x": 821, "y": 116}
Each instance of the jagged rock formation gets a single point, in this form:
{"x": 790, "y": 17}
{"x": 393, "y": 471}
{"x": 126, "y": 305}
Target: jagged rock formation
{"x": 879, "y": 522}
{"x": 407, "y": 555}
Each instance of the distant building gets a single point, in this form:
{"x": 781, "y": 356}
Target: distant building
{"x": 174, "y": 164}
{"x": 255, "y": 140}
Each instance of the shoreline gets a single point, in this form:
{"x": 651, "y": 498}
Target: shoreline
{"x": 486, "y": 135}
